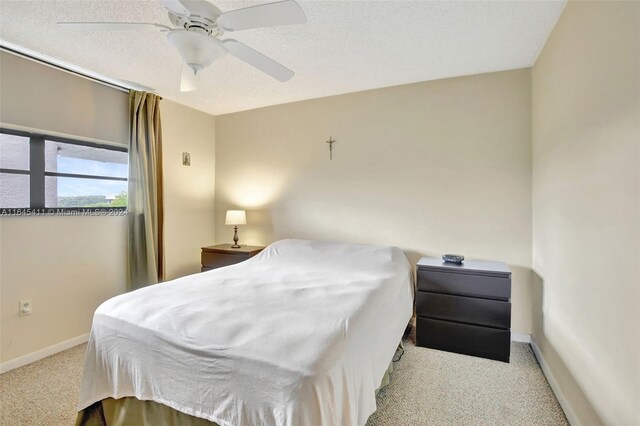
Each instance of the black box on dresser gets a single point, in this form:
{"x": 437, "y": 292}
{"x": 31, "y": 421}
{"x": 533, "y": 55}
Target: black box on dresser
{"x": 464, "y": 308}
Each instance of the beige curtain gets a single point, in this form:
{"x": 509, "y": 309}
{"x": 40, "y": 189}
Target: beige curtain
{"x": 145, "y": 204}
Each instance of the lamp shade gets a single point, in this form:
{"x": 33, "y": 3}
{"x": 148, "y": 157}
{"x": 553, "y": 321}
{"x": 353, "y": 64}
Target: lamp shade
{"x": 236, "y": 217}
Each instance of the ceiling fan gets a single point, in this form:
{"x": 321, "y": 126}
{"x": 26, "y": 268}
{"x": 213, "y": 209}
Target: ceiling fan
{"x": 199, "y": 24}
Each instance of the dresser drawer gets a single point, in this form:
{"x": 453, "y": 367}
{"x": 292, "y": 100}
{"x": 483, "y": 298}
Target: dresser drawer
{"x": 218, "y": 260}
{"x": 465, "y": 284}
{"x": 465, "y": 339}
{"x": 491, "y": 313}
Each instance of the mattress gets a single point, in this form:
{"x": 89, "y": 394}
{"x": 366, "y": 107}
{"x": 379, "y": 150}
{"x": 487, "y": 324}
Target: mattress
{"x": 301, "y": 334}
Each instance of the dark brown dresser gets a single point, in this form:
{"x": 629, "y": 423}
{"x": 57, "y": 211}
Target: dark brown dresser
{"x": 464, "y": 308}
{"x": 213, "y": 257}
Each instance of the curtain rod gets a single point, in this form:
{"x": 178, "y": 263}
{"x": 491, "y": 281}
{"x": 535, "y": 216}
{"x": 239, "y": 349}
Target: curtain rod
{"x": 33, "y": 57}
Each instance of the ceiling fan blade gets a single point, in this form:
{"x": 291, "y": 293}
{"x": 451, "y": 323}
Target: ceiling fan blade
{"x": 112, "y": 26}
{"x": 188, "y": 82}
{"x": 175, "y": 7}
{"x": 258, "y": 60}
{"x": 286, "y": 12}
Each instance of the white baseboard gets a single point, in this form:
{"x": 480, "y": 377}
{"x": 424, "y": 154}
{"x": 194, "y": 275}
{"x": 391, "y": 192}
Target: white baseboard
{"x": 555, "y": 387}
{"x": 43, "y": 353}
{"x": 520, "y": 337}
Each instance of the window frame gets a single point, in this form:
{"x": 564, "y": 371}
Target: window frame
{"x": 37, "y": 175}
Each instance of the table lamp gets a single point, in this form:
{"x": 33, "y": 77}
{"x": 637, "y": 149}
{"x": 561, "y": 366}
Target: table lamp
{"x": 235, "y": 218}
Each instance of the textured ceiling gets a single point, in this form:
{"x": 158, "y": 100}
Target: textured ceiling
{"x": 346, "y": 46}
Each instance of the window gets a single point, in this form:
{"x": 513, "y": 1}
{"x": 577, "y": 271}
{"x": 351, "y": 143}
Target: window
{"x": 51, "y": 174}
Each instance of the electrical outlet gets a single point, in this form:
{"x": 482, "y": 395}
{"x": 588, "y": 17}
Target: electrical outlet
{"x": 186, "y": 159}
{"x": 25, "y": 307}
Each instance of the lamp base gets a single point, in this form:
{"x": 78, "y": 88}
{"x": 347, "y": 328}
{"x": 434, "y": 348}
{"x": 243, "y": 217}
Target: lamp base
{"x": 235, "y": 238}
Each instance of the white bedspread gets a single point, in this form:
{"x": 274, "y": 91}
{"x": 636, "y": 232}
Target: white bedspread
{"x": 301, "y": 334}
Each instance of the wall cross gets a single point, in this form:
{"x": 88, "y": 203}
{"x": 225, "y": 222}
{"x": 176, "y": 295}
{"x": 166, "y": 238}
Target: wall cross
{"x": 331, "y": 141}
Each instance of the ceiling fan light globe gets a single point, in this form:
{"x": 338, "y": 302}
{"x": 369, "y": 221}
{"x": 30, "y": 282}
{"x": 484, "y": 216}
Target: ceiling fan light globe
{"x": 197, "y": 50}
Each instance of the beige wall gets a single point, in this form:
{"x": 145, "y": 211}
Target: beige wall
{"x": 189, "y": 191}
{"x": 435, "y": 167}
{"x": 69, "y": 265}
{"x": 586, "y": 211}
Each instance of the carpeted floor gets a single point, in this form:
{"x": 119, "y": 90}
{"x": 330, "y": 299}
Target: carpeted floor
{"x": 431, "y": 387}
{"x": 428, "y": 387}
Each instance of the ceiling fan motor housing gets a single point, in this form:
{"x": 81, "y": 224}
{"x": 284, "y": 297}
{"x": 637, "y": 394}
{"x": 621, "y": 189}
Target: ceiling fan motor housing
{"x": 202, "y": 18}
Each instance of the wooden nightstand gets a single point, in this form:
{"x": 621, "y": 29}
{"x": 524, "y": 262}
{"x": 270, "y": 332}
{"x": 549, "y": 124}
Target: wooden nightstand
{"x": 213, "y": 257}
{"x": 464, "y": 308}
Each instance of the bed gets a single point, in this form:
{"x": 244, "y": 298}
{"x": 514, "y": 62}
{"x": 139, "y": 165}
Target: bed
{"x": 301, "y": 334}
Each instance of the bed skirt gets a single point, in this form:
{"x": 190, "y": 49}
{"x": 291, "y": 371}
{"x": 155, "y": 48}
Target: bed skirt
{"x": 130, "y": 411}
